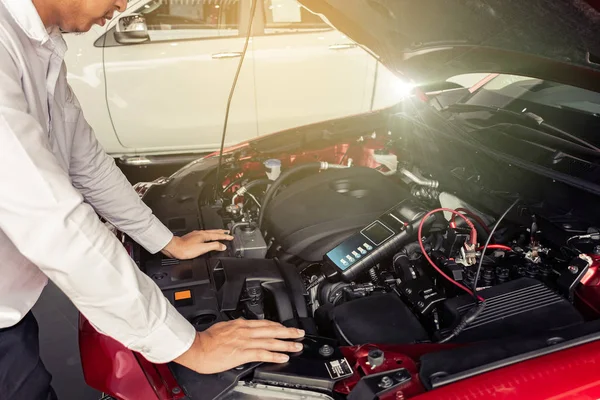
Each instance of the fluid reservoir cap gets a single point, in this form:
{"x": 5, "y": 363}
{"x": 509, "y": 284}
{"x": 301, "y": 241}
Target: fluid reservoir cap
{"x": 248, "y": 228}
{"x": 326, "y": 350}
{"x": 273, "y": 167}
{"x": 375, "y": 357}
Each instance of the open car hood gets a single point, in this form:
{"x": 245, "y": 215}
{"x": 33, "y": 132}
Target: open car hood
{"x": 431, "y": 40}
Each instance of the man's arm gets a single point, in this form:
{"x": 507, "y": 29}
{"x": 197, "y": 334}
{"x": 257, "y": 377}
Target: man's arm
{"x": 48, "y": 222}
{"x": 104, "y": 186}
{"x": 95, "y": 175}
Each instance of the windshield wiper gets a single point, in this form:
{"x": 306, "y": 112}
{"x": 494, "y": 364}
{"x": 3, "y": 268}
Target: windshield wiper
{"x": 526, "y": 117}
{"x": 454, "y": 131}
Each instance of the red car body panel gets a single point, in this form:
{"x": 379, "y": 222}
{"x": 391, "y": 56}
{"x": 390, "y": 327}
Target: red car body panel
{"x": 567, "y": 374}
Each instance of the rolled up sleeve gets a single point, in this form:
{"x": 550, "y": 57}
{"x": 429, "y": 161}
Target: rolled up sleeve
{"x": 48, "y": 221}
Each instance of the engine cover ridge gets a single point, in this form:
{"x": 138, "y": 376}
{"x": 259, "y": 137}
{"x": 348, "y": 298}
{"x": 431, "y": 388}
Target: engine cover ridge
{"x": 315, "y": 214}
{"x": 517, "y": 307}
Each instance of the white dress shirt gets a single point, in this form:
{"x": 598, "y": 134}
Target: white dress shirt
{"x": 54, "y": 179}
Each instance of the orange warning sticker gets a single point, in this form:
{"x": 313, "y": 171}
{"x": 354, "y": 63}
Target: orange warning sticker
{"x": 186, "y": 294}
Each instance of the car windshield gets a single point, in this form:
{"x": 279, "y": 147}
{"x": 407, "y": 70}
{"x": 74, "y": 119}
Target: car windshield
{"x": 573, "y": 110}
{"x": 505, "y": 90}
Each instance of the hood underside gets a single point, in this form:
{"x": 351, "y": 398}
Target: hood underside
{"x": 431, "y": 40}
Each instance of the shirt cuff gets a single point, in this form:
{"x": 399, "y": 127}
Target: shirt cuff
{"x": 167, "y": 342}
{"x": 155, "y": 238}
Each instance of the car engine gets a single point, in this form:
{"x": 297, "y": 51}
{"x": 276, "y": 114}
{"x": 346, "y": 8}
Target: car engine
{"x": 362, "y": 254}
{"x": 356, "y": 231}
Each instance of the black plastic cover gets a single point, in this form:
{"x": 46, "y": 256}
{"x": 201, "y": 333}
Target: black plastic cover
{"x": 382, "y": 318}
{"x": 314, "y": 215}
{"x": 204, "y": 291}
{"x": 523, "y": 306}
{"x": 312, "y": 368}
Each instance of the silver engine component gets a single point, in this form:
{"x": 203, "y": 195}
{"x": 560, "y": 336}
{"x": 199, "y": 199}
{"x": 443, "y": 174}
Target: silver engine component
{"x": 256, "y": 391}
{"x": 420, "y": 180}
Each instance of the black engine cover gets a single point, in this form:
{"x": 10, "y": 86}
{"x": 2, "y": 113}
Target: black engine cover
{"x": 520, "y": 307}
{"x": 209, "y": 291}
{"x": 314, "y": 215}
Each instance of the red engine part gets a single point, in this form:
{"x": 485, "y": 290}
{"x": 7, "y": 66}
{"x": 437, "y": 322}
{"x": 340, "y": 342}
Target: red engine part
{"x": 587, "y": 295}
{"x": 395, "y": 356}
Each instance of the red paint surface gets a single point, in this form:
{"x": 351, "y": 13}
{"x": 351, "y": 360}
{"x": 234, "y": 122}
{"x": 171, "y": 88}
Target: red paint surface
{"x": 396, "y": 356}
{"x": 110, "y": 367}
{"x": 587, "y": 295}
{"x": 568, "y": 374}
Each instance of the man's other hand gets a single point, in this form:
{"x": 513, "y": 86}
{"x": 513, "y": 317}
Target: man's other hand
{"x": 196, "y": 243}
{"x": 229, "y": 344}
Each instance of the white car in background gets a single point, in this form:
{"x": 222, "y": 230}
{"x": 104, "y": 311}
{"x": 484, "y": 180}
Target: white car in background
{"x": 164, "y": 88}
{"x": 155, "y": 80}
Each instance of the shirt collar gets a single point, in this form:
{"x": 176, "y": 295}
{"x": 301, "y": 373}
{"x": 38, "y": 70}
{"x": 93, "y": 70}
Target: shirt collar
{"x": 28, "y": 19}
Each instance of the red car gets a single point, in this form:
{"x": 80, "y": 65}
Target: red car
{"x": 444, "y": 248}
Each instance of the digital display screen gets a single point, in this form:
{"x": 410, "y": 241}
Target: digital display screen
{"x": 377, "y": 232}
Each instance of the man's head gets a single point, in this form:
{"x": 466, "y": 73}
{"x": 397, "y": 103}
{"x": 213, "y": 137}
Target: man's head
{"x": 77, "y": 15}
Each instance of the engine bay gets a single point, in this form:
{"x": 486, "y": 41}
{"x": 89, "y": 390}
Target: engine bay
{"x": 364, "y": 250}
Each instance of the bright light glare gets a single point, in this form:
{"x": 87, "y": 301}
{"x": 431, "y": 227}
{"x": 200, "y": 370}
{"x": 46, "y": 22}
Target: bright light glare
{"x": 402, "y": 88}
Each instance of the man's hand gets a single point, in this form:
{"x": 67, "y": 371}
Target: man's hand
{"x": 196, "y": 243}
{"x": 229, "y": 344}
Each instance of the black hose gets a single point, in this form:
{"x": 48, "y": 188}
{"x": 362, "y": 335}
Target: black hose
{"x": 283, "y": 177}
{"x": 232, "y": 184}
{"x": 245, "y": 190}
{"x": 257, "y": 182}
{"x": 237, "y": 225}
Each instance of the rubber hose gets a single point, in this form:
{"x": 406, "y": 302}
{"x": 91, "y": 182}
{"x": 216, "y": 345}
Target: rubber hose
{"x": 410, "y": 249}
{"x": 232, "y": 184}
{"x": 283, "y": 177}
{"x": 257, "y": 182}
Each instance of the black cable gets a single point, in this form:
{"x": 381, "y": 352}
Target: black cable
{"x": 257, "y": 182}
{"x": 232, "y": 184}
{"x": 469, "y": 317}
{"x": 231, "y": 92}
{"x": 487, "y": 243}
{"x": 110, "y": 117}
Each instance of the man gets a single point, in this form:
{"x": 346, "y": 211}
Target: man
{"x": 55, "y": 178}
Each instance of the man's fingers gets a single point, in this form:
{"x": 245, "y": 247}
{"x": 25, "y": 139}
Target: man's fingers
{"x": 258, "y": 323}
{"x": 255, "y": 355}
{"x": 275, "y": 332}
{"x": 212, "y": 236}
{"x": 211, "y": 246}
{"x": 221, "y": 231}
{"x": 275, "y": 345}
